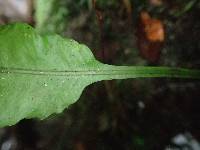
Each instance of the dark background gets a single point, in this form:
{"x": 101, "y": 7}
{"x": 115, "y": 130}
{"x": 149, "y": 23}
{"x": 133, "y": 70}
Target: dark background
{"x": 132, "y": 114}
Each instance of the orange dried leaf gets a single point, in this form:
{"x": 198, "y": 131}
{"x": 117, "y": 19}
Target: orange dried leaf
{"x": 153, "y": 28}
{"x": 150, "y": 37}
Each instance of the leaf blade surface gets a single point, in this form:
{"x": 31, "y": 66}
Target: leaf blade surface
{"x": 42, "y": 75}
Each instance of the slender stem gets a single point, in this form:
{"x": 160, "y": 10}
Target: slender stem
{"x": 109, "y": 72}
{"x": 124, "y": 72}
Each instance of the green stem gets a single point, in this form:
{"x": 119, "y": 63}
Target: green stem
{"x": 124, "y": 72}
{"x": 109, "y": 72}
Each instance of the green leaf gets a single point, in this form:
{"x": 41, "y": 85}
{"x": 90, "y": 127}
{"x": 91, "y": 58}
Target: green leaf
{"x": 42, "y": 75}
{"x": 50, "y": 15}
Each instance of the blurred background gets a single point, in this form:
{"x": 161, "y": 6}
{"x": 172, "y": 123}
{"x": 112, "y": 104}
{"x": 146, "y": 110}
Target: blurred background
{"x": 133, "y": 114}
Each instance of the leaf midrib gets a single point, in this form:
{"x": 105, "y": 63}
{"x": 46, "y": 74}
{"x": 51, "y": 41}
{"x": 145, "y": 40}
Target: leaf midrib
{"x": 136, "y": 71}
{"x": 63, "y": 73}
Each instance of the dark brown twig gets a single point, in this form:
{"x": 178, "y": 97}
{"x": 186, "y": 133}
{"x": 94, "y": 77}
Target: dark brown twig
{"x": 100, "y": 21}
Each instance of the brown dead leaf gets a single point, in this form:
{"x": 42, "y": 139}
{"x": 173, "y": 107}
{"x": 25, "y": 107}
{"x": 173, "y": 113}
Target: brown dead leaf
{"x": 79, "y": 146}
{"x": 153, "y": 28}
{"x": 156, "y": 2}
{"x": 151, "y": 36}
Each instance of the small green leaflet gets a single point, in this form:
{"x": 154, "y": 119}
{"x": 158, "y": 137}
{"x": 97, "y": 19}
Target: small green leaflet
{"x": 42, "y": 75}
